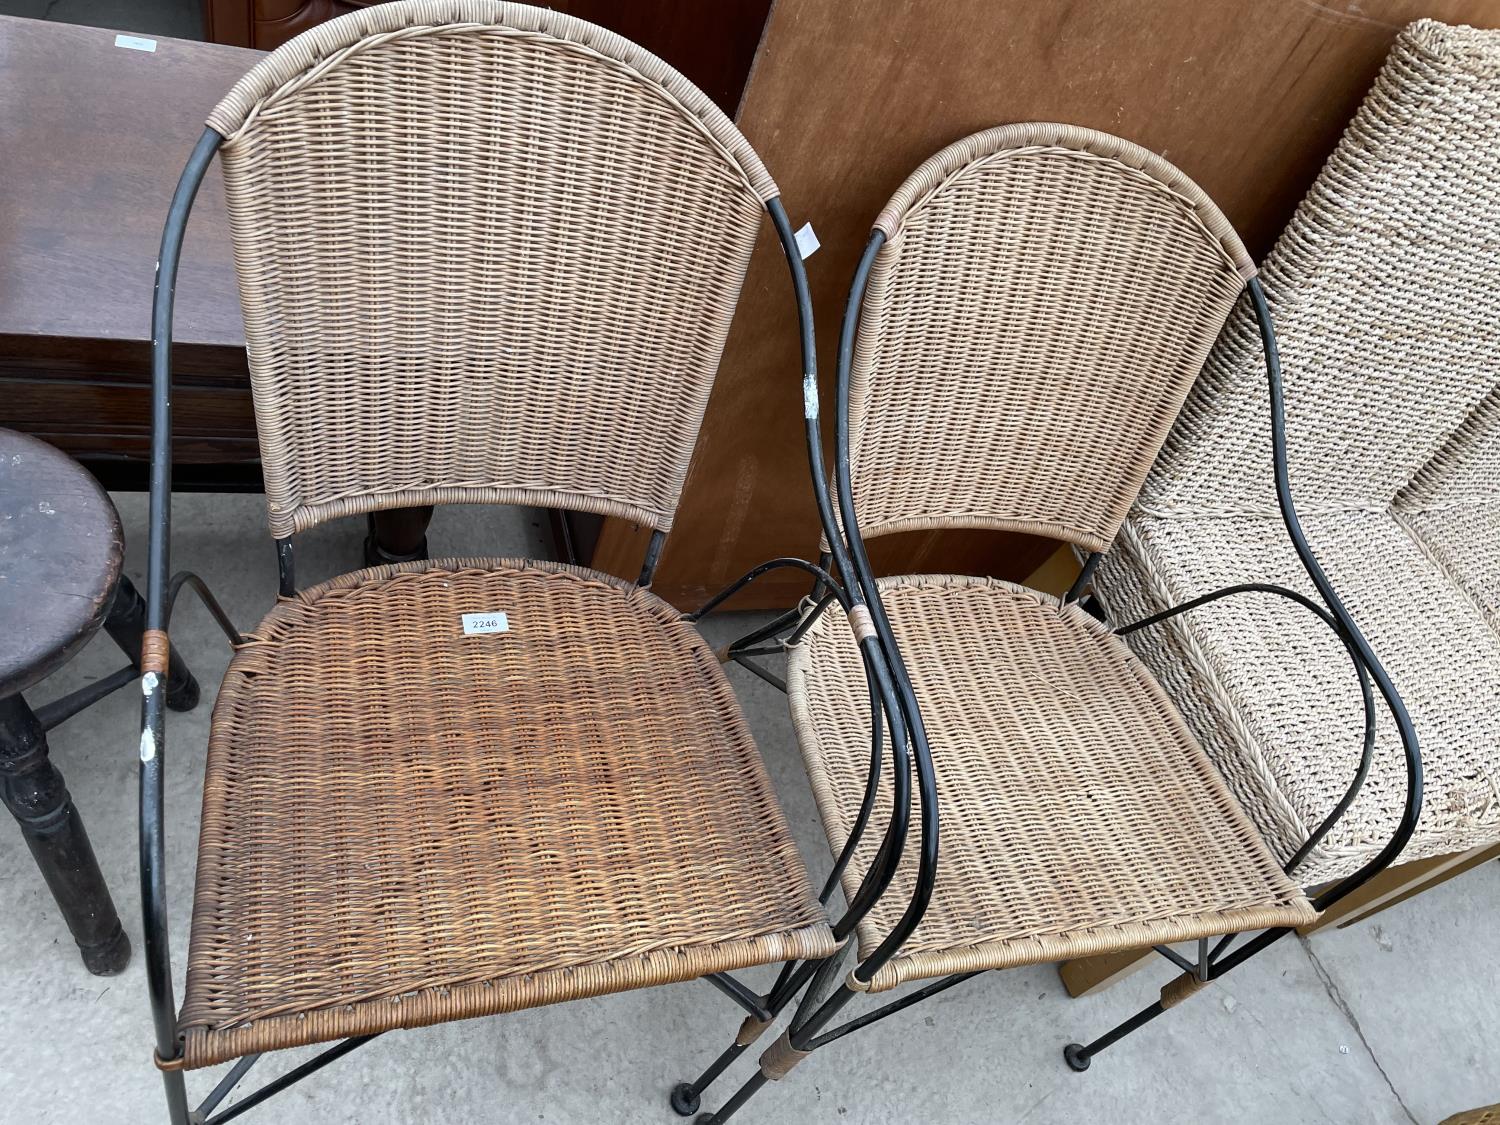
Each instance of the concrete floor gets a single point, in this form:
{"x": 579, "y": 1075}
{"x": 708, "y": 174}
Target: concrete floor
{"x": 1397, "y": 1020}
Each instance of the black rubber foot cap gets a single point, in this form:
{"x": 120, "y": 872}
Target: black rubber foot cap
{"x": 685, "y": 1100}
{"x": 1079, "y": 1061}
{"x": 704, "y": 1119}
{"x": 108, "y": 958}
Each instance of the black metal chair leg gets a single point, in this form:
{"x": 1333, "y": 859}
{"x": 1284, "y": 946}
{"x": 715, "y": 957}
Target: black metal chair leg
{"x": 736, "y": 1103}
{"x": 126, "y": 624}
{"x": 1079, "y": 1056}
{"x": 37, "y": 797}
{"x": 178, "y": 1112}
{"x": 687, "y": 1096}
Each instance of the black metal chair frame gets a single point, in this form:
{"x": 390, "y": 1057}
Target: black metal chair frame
{"x": 821, "y": 1003}
{"x": 843, "y": 575}
{"x": 891, "y": 691}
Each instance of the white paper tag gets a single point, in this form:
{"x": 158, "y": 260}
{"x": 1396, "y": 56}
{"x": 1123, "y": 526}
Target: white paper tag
{"x": 809, "y": 396}
{"x": 807, "y": 241}
{"x": 136, "y": 43}
{"x": 485, "y": 623}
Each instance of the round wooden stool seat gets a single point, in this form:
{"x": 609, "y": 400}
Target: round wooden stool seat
{"x": 61, "y": 550}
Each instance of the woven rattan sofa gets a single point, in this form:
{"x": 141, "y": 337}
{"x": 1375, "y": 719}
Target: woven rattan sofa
{"x": 1452, "y": 507}
{"x": 1386, "y": 293}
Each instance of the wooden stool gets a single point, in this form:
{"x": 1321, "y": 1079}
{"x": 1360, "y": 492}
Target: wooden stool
{"x": 61, "y": 550}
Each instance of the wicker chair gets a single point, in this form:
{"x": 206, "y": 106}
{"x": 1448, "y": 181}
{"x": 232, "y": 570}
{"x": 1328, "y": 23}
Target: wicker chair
{"x": 1386, "y": 290}
{"x": 488, "y": 254}
{"x": 1029, "y": 314}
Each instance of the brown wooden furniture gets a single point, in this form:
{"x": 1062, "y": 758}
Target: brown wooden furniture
{"x": 267, "y": 24}
{"x": 93, "y": 135}
{"x": 712, "y": 44}
{"x": 61, "y": 550}
{"x": 848, "y": 95}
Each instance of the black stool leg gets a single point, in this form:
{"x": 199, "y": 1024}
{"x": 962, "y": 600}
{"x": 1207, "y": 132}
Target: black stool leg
{"x": 36, "y": 796}
{"x": 397, "y": 535}
{"x": 125, "y": 625}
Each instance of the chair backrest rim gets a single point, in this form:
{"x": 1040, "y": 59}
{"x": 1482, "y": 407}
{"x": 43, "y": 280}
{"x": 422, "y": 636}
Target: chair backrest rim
{"x": 965, "y": 155}
{"x": 301, "y": 58}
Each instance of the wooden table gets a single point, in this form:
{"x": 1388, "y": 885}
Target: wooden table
{"x": 93, "y": 137}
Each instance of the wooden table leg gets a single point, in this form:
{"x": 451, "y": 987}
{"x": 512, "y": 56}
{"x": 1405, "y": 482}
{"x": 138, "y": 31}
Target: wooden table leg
{"x": 1088, "y": 975}
{"x": 126, "y": 624}
{"x": 37, "y": 797}
{"x": 398, "y": 535}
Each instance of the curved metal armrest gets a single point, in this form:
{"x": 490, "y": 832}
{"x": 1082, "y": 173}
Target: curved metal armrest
{"x": 1367, "y": 752}
{"x": 1409, "y": 744}
{"x": 862, "y": 575}
{"x": 159, "y": 595}
{"x": 887, "y": 675}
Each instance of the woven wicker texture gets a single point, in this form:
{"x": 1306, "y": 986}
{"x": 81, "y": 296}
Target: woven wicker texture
{"x": 486, "y": 253}
{"x": 1271, "y": 693}
{"x": 1465, "y": 541}
{"x": 1386, "y": 293}
{"x": 1046, "y": 296}
{"x": 1385, "y": 288}
{"x": 1466, "y": 470}
{"x": 1079, "y": 816}
{"x": 404, "y": 824}
{"x": 1452, "y": 507}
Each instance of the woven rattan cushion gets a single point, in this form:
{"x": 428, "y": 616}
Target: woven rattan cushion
{"x": 1272, "y": 695}
{"x": 1465, "y": 542}
{"x": 404, "y": 824}
{"x": 1078, "y": 813}
{"x": 1453, "y": 506}
{"x": 1385, "y": 288}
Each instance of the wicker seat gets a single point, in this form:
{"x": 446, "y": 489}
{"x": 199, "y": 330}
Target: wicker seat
{"x": 1079, "y": 815}
{"x": 1016, "y": 367}
{"x": 1247, "y": 674}
{"x": 1465, "y": 541}
{"x": 404, "y": 824}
